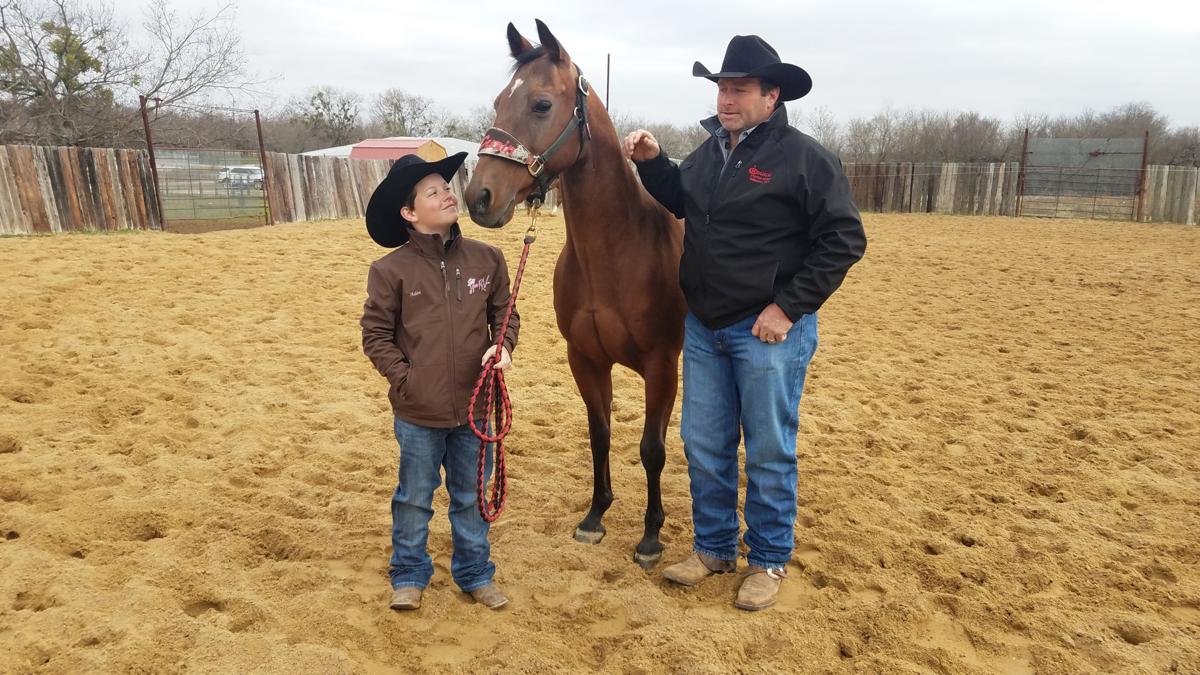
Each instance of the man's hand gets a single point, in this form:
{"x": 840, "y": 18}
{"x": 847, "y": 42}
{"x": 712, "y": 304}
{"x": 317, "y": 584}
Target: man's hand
{"x": 505, "y": 358}
{"x": 772, "y": 325}
{"x": 640, "y": 146}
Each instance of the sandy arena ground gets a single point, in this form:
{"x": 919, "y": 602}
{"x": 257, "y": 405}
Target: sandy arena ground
{"x": 1000, "y": 468}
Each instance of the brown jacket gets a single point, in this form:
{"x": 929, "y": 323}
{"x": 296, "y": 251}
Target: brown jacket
{"x": 432, "y": 310}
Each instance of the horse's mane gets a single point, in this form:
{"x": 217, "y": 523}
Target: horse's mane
{"x": 531, "y": 55}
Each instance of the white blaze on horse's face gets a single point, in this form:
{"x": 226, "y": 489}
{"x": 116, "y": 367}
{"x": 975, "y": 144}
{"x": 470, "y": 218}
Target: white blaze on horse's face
{"x": 517, "y": 82}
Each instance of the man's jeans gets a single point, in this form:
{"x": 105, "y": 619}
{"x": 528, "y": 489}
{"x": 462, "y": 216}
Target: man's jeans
{"x": 423, "y": 453}
{"x": 734, "y": 383}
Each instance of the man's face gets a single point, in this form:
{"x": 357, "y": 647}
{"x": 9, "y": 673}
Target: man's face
{"x": 741, "y": 104}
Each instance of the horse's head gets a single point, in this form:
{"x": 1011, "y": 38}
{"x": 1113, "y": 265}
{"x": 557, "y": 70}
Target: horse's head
{"x": 540, "y": 129}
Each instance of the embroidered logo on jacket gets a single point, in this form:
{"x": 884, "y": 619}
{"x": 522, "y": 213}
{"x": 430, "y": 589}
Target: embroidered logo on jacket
{"x": 481, "y": 284}
{"x": 759, "y": 176}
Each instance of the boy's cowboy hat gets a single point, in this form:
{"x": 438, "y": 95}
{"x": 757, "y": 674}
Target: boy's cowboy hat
{"x": 384, "y": 223}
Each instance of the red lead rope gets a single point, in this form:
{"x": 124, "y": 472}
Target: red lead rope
{"x": 498, "y": 406}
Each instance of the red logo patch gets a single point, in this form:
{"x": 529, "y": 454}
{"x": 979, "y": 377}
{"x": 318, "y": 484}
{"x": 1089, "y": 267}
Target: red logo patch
{"x": 759, "y": 176}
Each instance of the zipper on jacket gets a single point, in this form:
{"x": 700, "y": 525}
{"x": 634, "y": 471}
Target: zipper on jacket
{"x": 725, "y": 169}
{"x": 458, "y": 282}
{"x": 716, "y": 189}
{"x": 454, "y": 412}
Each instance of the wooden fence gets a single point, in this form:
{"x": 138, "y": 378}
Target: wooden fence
{"x": 321, "y": 188}
{"x": 991, "y": 189}
{"x": 951, "y": 187}
{"x": 53, "y": 189}
{"x": 1172, "y": 195}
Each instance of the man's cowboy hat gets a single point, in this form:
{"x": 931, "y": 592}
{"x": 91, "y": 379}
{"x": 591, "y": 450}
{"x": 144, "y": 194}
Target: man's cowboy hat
{"x": 751, "y": 56}
{"x": 384, "y": 223}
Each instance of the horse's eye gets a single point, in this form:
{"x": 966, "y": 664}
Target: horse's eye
{"x": 541, "y": 106}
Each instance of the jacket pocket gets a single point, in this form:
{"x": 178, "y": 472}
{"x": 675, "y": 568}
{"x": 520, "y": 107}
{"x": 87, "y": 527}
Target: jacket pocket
{"x": 405, "y": 384}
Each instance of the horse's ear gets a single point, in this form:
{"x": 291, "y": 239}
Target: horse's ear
{"x": 517, "y": 43}
{"x": 550, "y": 43}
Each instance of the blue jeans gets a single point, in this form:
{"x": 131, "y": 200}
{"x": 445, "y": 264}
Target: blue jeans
{"x": 423, "y": 453}
{"x": 733, "y": 383}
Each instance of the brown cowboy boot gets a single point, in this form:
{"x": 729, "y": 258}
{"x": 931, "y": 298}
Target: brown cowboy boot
{"x": 490, "y": 596}
{"x": 696, "y": 568}
{"x": 406, "y": 597}
{"x": 760, "y": 588}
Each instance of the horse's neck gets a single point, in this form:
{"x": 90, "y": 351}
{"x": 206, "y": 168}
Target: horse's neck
{"x": 599, "y": 194}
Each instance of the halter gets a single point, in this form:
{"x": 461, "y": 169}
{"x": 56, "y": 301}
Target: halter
{"x": 499, "y": 143}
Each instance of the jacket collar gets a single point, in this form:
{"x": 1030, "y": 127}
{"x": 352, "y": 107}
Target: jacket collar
{"x": 432, "y": 245}
{"x": 778, "y": 119}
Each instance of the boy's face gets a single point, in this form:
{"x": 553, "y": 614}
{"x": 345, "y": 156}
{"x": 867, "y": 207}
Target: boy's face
{"x": 434, "y": 208}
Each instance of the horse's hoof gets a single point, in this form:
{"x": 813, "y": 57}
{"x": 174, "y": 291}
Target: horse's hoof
{"x": 588, "y": 536}
{"x": 647, "y": 561}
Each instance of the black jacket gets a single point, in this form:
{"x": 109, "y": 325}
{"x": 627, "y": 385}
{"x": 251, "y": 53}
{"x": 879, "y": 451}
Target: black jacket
{"x": 776, "y": 224}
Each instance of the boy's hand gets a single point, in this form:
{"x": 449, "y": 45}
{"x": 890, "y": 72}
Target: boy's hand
{"x": 505, "y": 358}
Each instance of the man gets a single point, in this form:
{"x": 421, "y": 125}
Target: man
{"x": 771, "y": 230}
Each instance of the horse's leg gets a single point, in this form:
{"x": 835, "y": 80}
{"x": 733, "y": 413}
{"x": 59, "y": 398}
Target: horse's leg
{"x": 595, "y": 386}
{"x": 661, "y": 378}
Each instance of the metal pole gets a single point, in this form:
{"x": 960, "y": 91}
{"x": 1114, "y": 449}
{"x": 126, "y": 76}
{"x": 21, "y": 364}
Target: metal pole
{"x": 262, "y": 158}
{"x": 607, "y": 79}
{"x": 1058, "y": 192}
{"x": 162, "y": 217}
{"x": 1141, "y": 188}
{"x": 912, "y": 178}
{"x": 1021, "y": 172}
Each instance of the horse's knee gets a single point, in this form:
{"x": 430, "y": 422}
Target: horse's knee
{"x": 599, "y": 434}
{"x": 654, "y": 454}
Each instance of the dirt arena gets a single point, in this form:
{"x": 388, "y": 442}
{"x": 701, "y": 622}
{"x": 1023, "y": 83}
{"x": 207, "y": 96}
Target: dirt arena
{"x": 1000, "y": 468}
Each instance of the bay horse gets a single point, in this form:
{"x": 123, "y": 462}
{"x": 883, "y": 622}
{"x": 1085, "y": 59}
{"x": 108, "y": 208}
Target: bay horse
{"x": 616, "y": 290}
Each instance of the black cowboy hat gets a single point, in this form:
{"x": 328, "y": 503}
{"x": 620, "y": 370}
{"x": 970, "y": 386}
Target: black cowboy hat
{"x": 384, "y": 223}
{"x": 751, "y": 56}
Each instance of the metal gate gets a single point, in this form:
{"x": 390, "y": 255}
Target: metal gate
{"x": 200, "y": 188}
{"x": 1082, "y": 178}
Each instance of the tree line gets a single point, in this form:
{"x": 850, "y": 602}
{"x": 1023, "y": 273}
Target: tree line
{"x": 70, "y": 74}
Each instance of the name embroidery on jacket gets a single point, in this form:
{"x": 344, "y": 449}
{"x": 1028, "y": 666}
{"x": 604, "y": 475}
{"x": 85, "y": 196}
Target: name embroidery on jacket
{"x": 759, "y": 176}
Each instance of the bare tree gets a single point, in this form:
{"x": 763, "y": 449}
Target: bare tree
{"x": 191, "y": 57}
{"x": 330, "y": 112}
{"x": 822, "y": 126}
{"x": 470, "y": 126}
{"x": 975, "y": 138}
{"x": 402, "y": 114}
{"x": 70, "y": 75}
{"x": 1181, "y": 147}
{"x": 676, "y": 141}
{"x": 61, "y": 68}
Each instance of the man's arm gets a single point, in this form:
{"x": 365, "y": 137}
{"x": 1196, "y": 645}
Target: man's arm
{"x": 836, "y": 231}
{"x": 659, "y": 175}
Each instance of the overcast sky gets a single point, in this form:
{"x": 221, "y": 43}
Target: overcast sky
{"x": 998, "y": 58}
